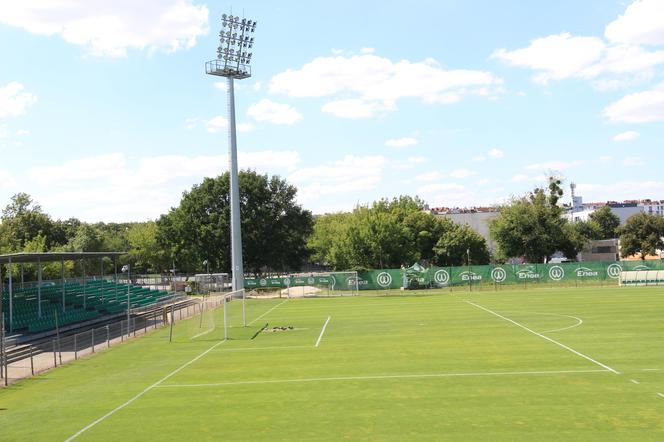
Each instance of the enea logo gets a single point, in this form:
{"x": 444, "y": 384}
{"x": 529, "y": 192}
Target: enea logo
{"x": 641, "y": 267}
{"x": 384, "y": 279}
{"x": 263, "y": 282}
{"x": 613, "y": 271}
{"x": 441, "y": 277}
{"x": 470, "y": 276}
{"x": 585, "y": 272}
{"x": 556, "y": 273}
{"x": 499, "y": 274}
{"x": 528, "y": 274}
{"x": 311, "y": 281}
{"x": 287, "y": 281}
{"x": 351, "y": 281}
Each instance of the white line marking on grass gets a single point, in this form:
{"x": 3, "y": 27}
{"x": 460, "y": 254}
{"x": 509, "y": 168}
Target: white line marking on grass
{"x": 579, "y": 321}
{"x": 322, "y": 331}
{"x": 634, "y": 381}
{"x": 266, "y": 348}
{"x": 660, "y": 394}
{"x": 155, "y": 385}
{"x": 381, "y": 377}
{"x": 650, "y": 369}
{"x": 267, "y": 312}
{"x": 204, "y": 333}
{"x": 544, "y": 337}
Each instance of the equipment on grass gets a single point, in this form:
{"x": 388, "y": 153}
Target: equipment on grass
{"x": 642, "y": 277}
{"x": 320, "y": 284}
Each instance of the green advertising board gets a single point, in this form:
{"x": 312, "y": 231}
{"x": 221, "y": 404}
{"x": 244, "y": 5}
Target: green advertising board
{"x": 563, "y": 273}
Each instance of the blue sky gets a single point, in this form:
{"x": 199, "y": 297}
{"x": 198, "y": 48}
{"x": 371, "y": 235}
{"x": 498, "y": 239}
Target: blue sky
{"x": 106, "y": 113}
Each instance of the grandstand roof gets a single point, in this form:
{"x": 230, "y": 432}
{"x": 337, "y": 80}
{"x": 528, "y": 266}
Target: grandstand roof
{"x": 16, "y": 258}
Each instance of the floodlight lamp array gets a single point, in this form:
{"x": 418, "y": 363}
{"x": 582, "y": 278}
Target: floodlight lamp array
{"x": 234, "y": 39}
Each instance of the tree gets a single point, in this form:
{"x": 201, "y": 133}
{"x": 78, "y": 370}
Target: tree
{"x": 145, "y": 254}
{"x": 642, "y": 234}
{"x": 608, "y": 222}
{"x": 22, "y": 221}
{"x": 274, "y": 227}
{"x": 457, "y": 242}
{"x": 533, "y": 226}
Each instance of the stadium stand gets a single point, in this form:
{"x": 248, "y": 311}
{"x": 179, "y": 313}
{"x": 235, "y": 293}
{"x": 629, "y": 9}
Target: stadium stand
{"x": 82, "y": 302}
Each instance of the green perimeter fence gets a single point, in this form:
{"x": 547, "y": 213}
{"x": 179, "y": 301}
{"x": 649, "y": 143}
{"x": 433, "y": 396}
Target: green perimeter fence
{"x": 563, "y": 274}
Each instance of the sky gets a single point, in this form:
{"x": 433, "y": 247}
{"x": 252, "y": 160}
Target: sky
{"x": 106, "y": 113}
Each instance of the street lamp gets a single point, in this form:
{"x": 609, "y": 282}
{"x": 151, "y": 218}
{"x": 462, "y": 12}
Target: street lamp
{"x": 127, "y": 269}
{"x": 233, "y": 62}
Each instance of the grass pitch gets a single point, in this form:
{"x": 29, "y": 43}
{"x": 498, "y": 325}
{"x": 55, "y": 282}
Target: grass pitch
{"x": 540, "y": 364}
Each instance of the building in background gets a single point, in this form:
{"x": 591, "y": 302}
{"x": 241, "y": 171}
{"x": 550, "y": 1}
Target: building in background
{"x": 477, "y": 218}
{"x": 581, "y": 211}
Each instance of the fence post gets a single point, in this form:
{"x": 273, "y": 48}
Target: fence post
{"x": 55, "y": 360}
{"x": 121, "y": 332}
{"x": 145, "y": 325}
{"x": 75, "y": 349}
{"x": 93, "y": 340}
{"x": 32, "y": 363}
{"x": 108, "y": 338}
{"x": 133, "y": 320}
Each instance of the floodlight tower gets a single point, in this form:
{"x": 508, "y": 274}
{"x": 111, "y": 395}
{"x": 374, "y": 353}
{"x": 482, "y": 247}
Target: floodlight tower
{"x": 233, "y": 62}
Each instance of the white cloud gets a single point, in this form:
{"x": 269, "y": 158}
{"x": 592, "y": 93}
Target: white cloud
{"x": 7, "y": 179}
{"x": 221, "y": 85}
{"x": 367, "y": 50}
{"x": 462, "y": 173}
{"x": 605, "y": 159}
{"x": 496, "y": 153}
{"x": 215, "y": 124}
{"x": 430, "y": 176}
{"x": 633, "y": 162}
{"x": 563, "y": 56}
{"x": 76, "y": 187}
{"x": 520, "y": 177}
{"x": 556, "y": 56}
{"x": 639, "y": 107}
{"x": 112, "y": 28}
{"x": 190, "y": 123}
{"x": 13, "y": 101}
{"x": 402, "y": 142}
{"x": 378, "y": 82}
{"x": 351, "y": 175}
{"x": 630, "y": 135}
{"x": 22, "y": 132}
{"x": 354, "y": 108}
{"x": 621, "y": 190}
{"x": 257, "y": 86}
{"x": 479, "y": 158}
{"x": 642, "y": 23}
{"x": 409, "y": 163}
{"x": 271, "y": 112}
{"x": 244, "y": 127}
{"x": 4, "y": 132}
{"x": 554, "y": 165}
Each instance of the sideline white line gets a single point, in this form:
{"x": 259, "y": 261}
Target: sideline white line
{"x": 650, "y": 369}
{"x": 155, "y": 385}
{"x": 268, "y": 311}
{"x": 634, "y": 381}
{"x": 544, "y": 337}
{"x": 660, "y": 394}
{"x": 322, "y": 331}
{"x": 381, "y": 377}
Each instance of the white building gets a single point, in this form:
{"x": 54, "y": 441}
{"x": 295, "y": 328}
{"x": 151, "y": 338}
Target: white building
{"x": 623, "y": 210}
{"x": 477, "y": 218}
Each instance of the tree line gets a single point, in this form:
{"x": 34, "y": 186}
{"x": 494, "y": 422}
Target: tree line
{"x": 280, "y": 236}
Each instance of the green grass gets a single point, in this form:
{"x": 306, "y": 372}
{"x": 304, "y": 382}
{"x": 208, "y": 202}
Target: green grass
{"x": 417, "y": 367}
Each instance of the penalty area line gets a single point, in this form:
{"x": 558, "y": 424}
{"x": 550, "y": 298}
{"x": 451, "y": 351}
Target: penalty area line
{"x": 155, "y": 385}
{"x": 385, "y": 377}
{"x": 560, "y": 344}
{"x": 265, "y": 314}
{"x": 320, "y": 337}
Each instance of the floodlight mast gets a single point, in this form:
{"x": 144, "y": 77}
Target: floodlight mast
{"x": 233, "y": 62}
